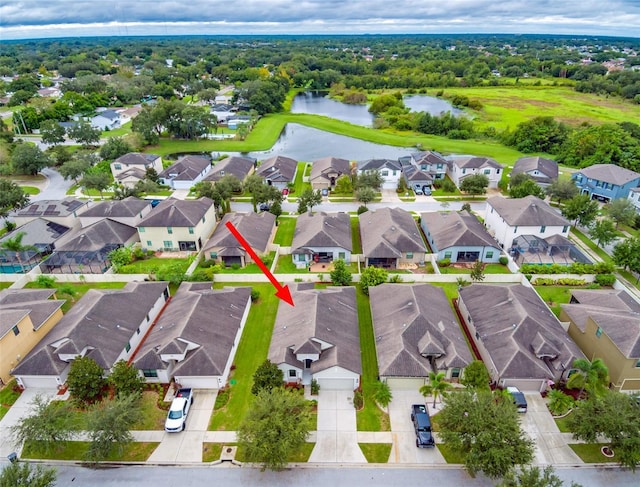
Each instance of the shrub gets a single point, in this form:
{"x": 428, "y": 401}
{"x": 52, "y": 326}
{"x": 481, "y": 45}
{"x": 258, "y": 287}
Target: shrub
{"x": 444, "y": 262}
{"x": 503, "y": 260}
{"x": 448, "y": 186}
{"x": 395, "y": 278}
{"x": 559, "y": 402}
{"x": 255, "y": 295}
{"x": 315, "y": 387}
{"x": 605, "y": 279}
{"x": 358, "y": 400}
{"x": 45, "y": 281}
{"x": 362, "y": 209}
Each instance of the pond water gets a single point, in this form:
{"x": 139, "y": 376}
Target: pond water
{"x": 430, "y": 104}
{"x": 308, "y": 144}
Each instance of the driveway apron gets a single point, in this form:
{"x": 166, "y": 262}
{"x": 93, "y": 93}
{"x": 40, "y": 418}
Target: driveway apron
{"x": 336, "y": 439}
{"x": 404, "y": 449}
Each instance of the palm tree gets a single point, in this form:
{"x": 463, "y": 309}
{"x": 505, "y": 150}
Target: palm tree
{"x": 15, "y": 245}
{"x": 590, "y": 376}
{"x": 437, "y": 386}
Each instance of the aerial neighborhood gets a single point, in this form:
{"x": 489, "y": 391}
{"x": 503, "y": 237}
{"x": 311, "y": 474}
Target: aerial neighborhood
{"x": 375, "y": 296}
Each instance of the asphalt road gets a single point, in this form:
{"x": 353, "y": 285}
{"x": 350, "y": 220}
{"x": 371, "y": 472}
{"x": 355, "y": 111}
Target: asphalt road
{"x": 310, "y": 476}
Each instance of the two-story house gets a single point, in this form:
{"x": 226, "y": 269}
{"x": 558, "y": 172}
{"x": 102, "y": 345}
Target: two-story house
{"x": 178, "y": 225}
{"x": 605, "y": 182}
{"x": 543, "y": 171}
{"x": 64, "y": 212}
{"x": 389, "y": 170}
{"x": 464, "y": 166}
{"x": 128, "y": 211}
{"x": 132, "y": 167}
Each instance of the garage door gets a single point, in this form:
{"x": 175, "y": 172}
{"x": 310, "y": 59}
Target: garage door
{"x": 39, "y": 382}
{"x": 406, "y": 384}
{"x": 336, "y": 384}
{"x": 198, "y": 382}
{"x": 389, "y": 185}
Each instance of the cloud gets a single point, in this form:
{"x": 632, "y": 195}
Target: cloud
{"x": 45, "y": 18}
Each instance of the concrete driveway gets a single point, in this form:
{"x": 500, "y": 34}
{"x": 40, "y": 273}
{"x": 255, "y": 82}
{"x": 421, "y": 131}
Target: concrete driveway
{"x": 186, "y": 446}
{"x": 550, "y": 444}
{"x": 336, "y": 439}
{"x": 404, "y": 448}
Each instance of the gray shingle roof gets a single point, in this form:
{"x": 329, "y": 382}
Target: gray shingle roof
{"x": 411, "y": 322}
{"x": 518, "y": 330}
{"x": 414, "y": 174}
{"x": 326, "y": 316}
{"x": 128, "y": 207}
{"x": 428, "y": 157}
{"x": 378, "y": 164}
{"x": 474, "y": 162}
{"x": 449, "y": 229}
{"x": 103, "y": 319}
{"x": 529, "y": 211}
{"x": 96, "y": 236}
{"x": 198, "y": 315}
{"x": 609, "y": 173}
{"x": 234, "y": 166}
{"x": 137, "y": 158}
{"x": 186, "y": 168}
{"x": 278, "y": 168}
{"x": 388, "y": 232}
{"x": 322, "y": 230}
{"x": 320, "y": 167}
{"x": 15, "y": 304}
{"x": 256, "y": 228}
{"x": 546, "y": 166}
{"x": 134, "y": 172}
{"x": 177, "y": 213}
{"x": 616, "y": 312}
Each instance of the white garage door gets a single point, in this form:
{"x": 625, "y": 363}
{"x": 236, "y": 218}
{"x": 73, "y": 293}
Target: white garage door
{"x": 336, "y": 384}
{"x": 406, "y": 384}
{"x": 389, "y": 185}
{"x": 198, "y": 382}
{"x": 33, "y": 382}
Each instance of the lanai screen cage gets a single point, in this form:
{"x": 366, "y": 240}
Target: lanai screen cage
{"x": 556, "y": 249}
{"x": 78, "y": 261}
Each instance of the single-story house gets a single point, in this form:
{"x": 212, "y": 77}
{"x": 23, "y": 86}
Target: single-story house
{"x": 128, "y": 211}
{"x": 520, "y": 340}
{"x": 416, "y": 333}
{"x": 318, "y": 338}
{"x": 464, "y": 166}
{"x": 605, "y": 182}
{"x": 605, "y": 323}
{"x": 391, "y": 171}
{"x": 237, "y": 166}
{"x": 508, "y": 218}
{"x": 391, "y": 238}
{"x": 321, "y": 237}
{"x": 106, "y": 120}
{"x": 326, "y": 171}
{"x": 138, "y": 160}
{"x": 278, "y": 171}
{"x": 178, "y": 225}
{"x": 85, "y": 250}
{"x": 459, "y": 237}
{"x": 543, "y": 171}
{"x": 105, "y": 324}
{"x": 39, "y": 233}
{"x": 26, "y": 315}
{"x": 195, "y": 339}
{"x": 185, "y": 172}
{"x": 257, "y": 228}
{"x": 64, "y": 212}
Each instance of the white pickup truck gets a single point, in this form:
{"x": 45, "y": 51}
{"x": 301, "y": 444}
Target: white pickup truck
{"x": 177, "y": 417}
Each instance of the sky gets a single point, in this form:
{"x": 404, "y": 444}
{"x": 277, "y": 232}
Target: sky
{"x": 27, "y": 19}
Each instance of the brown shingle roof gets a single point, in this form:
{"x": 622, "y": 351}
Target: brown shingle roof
{"x": 449, "y": 229}
{"x": 529, "y": 211}
{"x": 278, "y": 168}
{"x": 177, "y": 213}
{"x": 322, "y": 230}
{"x": 255, "y": 228}
{"x": 388, "y": 232}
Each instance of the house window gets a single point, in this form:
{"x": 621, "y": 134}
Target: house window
{"x": 439, "y": 166}
{"x": 542, "y": 229}
{"x": 515, "y": 229}
{"x": 149, "y": 243}
{"x": 127, "y": 347}
{"x": 565, "y": 228}
{"x": 203, "y": 220}
{"x": 599, "y": 332}
{"x": 464, "y": 171}
{"x": 213, "y": 255}
{"x": 292, "y": 373}
{"x": 393, "y": 173}
{"x": 117, "y": 167}
{"x": 190, "y": 230}
{"x": 487, "y": 171}
{"x": 638, "y": 364}
{"x": 423, "y": 167}
{"x": 170, "y": 230}
{"x": 455, "y": 373}
{"x": 385, "y": 173}
{"x": 148, "y": 318}
{"x": 138, "y": 331}
{"x": 489, "y": 254}
{"x": 150, "y": 372}
{"x": 168, "y": 244}
{"x": 447, "y": 255}
{"x": 141, "y": 229}
{"x": 409, "y": 255}
{"x": 342, "y": 255}
{"x": 16, "y": 330}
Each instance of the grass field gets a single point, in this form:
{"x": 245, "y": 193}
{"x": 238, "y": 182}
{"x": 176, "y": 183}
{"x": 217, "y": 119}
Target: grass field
{"x": 590, "y": 452}
{"x": 554, "y": 296}
{"x": 507, "y": 106}
{"x": 376, "y": 452}
{"x": 147, "y": 266}
{"x": 284, "y": 234}
{"x": 7, "y": 398}
{"x": 77, "y": 450}
{"x": 73, "y": 291}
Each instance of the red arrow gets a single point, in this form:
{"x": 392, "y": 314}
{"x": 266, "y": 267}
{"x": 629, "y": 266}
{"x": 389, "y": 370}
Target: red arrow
{"x": 283, "y": 291}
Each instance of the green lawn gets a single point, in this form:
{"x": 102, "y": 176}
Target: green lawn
{"x": 153, "y": 418}
{"x": 370, "y": 417}
{"x": 562, "y": 423}
{"x": 554, "y": 296}
{"x": 590, "y": 452}
{"x": 78, "y": 290}
{"x": 7, "y": 398}
{"x": 299, "y": 186}
{"x": 211, "y": 451}
{"x": 286, "y": 266}
{"x": 151, "y": 265}
{"x": 488, "y": 269}
{"x": 77, "y": 450}
{"x": 5, "y": 285}
{"x": 32, "y": 190}
{"x": 284, "y": 233}
{"x": 450, "y": 455}
{"x": 252, "y": 351}
{"x": 123, "y": 130}
{"x": 250, "y": 268}
{"x": 355, "y": 236}
{"x": 376, "y": 452}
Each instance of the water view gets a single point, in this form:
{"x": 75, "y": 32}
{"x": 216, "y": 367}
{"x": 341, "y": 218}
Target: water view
{"x": 430, "y": 104}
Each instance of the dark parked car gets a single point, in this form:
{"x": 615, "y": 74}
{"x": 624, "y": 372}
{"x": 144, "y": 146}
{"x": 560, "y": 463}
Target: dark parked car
{"x": 518, "y": 399}
{"x": 422, "y": 426}
{"x": 264, "y": 207}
